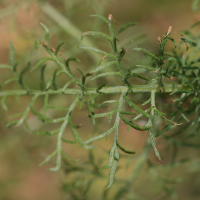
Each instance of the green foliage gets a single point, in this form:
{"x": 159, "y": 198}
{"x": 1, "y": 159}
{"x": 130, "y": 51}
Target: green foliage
{"x": 173, "y": 74}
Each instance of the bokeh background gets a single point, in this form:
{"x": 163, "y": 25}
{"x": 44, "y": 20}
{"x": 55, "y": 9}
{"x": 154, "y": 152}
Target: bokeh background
{"x": 21, "y": 152}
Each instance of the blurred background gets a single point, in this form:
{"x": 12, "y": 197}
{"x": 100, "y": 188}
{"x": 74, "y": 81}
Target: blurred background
{"x": 21, "y": 152}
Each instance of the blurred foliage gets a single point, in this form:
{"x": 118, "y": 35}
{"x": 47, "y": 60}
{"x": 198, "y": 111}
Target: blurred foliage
{"x": 178, "y": 176}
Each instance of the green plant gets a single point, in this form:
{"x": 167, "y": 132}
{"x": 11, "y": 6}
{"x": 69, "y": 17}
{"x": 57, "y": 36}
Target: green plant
{"x": 167, "y": 73}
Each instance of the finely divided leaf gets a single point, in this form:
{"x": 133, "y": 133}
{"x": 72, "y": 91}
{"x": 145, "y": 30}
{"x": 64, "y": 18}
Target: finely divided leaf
{"x": 110, "y": 101}
{"x": 135, "y": 126}
{"x": 46, "y": 133}
{"x": 58, "y": 47}
{"x": 99, "y": 34}
{"x": 6, "y": 66}
{"x": 146, "y": 67}
{"x": 103, "y": 66}
{"x": 172, "y": 39}
{"x": 21, "y": 75}
{"x": 124, "y": 150}
{"x": 130, "y": 103}
{"x": 138, "y": 76}
{"x": 113, "y": 169}
{"x": 100, "y": 136}
{"x": 97, "y": 51}
{"x": 153, "y": 144}
{"x": 147, "y": 52}
{"x": 190, "y": 42}
{"x": 106, "y": 74}
{"x": 39, "y": 62}
{"x": 42, "y": 80}
{"x": 123, "y": 28}
{"x": 102, "y": 18}
{"x": 46, "y": 32}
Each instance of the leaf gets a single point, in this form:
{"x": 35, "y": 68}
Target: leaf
{"x": 10, "y": 80}
{"x": 80, "y": 72}
{"x": 45, "y": 119}
{"x": 36, "y": 44}
{"x": 3, "y": 103}
{"x": 111, "y": 158}
{"x": 124, "y": 150}
{"x": 138, "y": 76}
{"x": 58, "y": 108}
{"x": 77, "y": 137}
{"x": 190, "y": 42}
{"x": 46, "y": 32}
{"x": 130, "y": 103}
{"x": 17, "y": 115}
{"x": 58, "y": 47}
{"x": 113, "y": 169}
{"x": 135, "y": 126}
{"x": 105, "y": 74}
{"x": 54, "y": 80}
{"x": 123, "y": 28}
{"x": 127, "y": 113}
{"x": 170, "y": 59}
{"x": 45, "y": 133}
{"x": 40, "y": 116}
{"x": 153, "y": 144}
{"x": 110, "y": 101}
{"x": 6, "y": 66}
{"x": 121, "y": 54}
{"x": 97, "y": 51}
{"x": 95, "y": 33}
{"x": 162, "y": 46}
{"x": 69, "y": 141}
{"x": 195, "y": 24}
{"x": 102, "y": 18}
{"x": 164, "y": 118}
{"x": 184, "y": 117}
{"x": 42, "y": 80}
{"x": 100, "y": 87}
{"x": 103, "y": 66}
{"x": 147, "y": 52}
{"x": 146, "y": 102}
{"x": 190, "y": 68}
{"x": 71, "y": 59}
{"x": 13, "y": 123}
{"x": 26, "y": 125}
{"x": 12, "y": 54}
{"x": 172, "y": 39}
{"x": 68, "y": 157}
{"x": 39, "y": 62}
{"x": 49, "y": 82}
{"x": 140, "y": 115}
{"x": 146, "y": 67}
{"x": 48, "y": 158}
{"x": 190, "y": 85}
{"x": 105, "y": 114}
{"x": 21, "y": 75}
{"x": 100, "y": 136}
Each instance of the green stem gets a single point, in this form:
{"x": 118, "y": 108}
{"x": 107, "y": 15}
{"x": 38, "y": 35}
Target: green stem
{"x": 59, "y": 139}
{"x": 107, "y": 90}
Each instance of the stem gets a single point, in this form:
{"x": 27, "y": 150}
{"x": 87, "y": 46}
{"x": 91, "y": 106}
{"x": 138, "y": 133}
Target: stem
{"x": 59, "y": 139}
{"x": 107, "y": 90}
